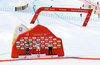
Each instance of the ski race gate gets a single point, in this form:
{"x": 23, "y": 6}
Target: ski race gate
{"x": 88, "y": 11}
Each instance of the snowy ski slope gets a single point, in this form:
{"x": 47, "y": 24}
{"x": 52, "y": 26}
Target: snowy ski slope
{"x": 77, "y": 41}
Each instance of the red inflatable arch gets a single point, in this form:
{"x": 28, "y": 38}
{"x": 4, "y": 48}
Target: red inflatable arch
{"x": 88, "y": 11}
{"x": 39, "y": 34}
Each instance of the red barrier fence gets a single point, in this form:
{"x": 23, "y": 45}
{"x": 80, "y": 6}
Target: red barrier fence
{"x": 81, "y": 58}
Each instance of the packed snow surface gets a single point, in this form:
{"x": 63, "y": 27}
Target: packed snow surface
{"x": 78, "y": 41}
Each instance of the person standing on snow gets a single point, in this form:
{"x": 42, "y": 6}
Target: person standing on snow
{"x": 27, "y": 48}
{"x": 50, "y": 48}
{"x": 38, "y": 49}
